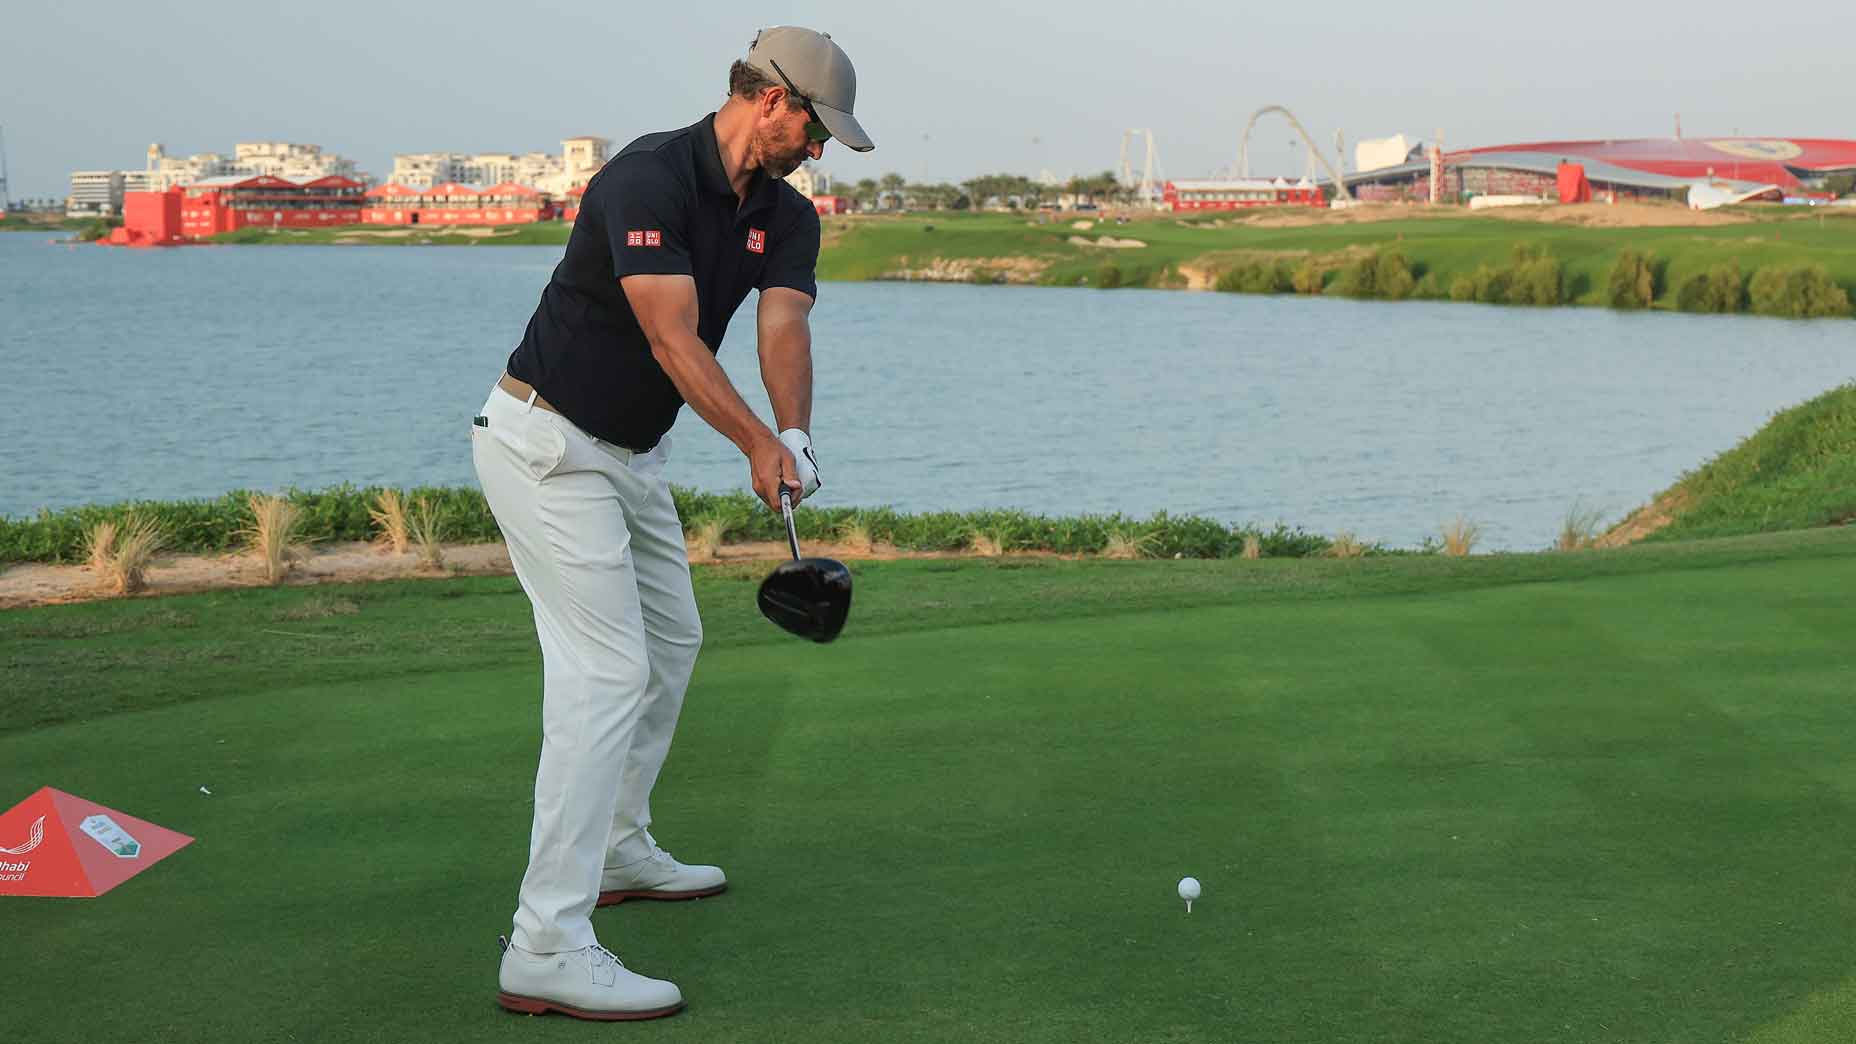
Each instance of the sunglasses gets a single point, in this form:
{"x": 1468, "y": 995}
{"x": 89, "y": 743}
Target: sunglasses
{"x": 815, "y": 127}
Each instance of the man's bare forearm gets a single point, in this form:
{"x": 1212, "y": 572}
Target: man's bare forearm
{"x": 786, "y": 370}
{"x": 706, "y": 387}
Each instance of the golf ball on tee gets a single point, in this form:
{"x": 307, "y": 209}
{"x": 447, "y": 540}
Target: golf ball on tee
{"x": 1188, "y": 888}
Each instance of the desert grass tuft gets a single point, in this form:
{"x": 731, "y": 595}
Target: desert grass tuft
{"x": 137, "y": 543}
{"x": 1579, "y": 532}
{"x": 275, "y": 535}
{"x": 100, "y": 546}
{"x": 1126, "y": 543}
{"x": 986, "y": 545}
{"x": 708, "y": 532}
{"x": 855, "y": 536}
{"x": 1346, "y": 545}
{"x": 389, "y": 514}
{"x": 1460, "y": 536}
{"x": 1253, "y": 546}
{"x": 427, "y": 534}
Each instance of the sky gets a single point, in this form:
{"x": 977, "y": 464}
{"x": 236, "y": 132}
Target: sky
{"x": 948, "y": 90}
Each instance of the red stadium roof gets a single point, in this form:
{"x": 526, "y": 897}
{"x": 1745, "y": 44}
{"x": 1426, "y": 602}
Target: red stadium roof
{"x": 1776, "y": 161}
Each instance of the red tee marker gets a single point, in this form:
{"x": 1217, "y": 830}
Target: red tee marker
{"x": 58, "y": 844}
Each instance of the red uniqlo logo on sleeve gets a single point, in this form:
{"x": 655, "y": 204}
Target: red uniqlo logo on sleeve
{"x": 654, "y": 238}
{"x": 634, "y": 238}
{"x": 757, "y": 240}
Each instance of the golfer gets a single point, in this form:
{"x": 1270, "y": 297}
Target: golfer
{"x": 571, "y": 449}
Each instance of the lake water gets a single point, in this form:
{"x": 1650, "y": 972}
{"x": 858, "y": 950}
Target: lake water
{"x": 184, "y": 373}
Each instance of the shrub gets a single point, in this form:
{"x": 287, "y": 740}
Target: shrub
{"x": 342, "y": 513}
{"x": 1346, "y": 545}
{"x": 1257, "y": 277}
{"x": 1720, "y": 289}
{"x": 1383, "y": 274}
{"x": 1579, "y": 532}
{"x": 389, "y": 515}
{"x": 1632, "y": 283}
{"x": 1108, "y": 277}
{"x": 428, "y": 531}
{"x": 1535, "y": 277}
{"x": 1460, "y": 536}
{"x": 1308, "y": 277}
{"x": 274, "y": 534}
{"x": 1798, "y": 292}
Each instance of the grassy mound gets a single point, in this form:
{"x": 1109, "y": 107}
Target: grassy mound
{"x": 1797, "y": 472}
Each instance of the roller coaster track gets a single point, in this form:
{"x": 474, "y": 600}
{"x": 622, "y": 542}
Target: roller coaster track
{"x": 1243, "y": 150}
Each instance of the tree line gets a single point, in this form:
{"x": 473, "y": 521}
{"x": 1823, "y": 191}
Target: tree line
{"x": 893, "y": 191}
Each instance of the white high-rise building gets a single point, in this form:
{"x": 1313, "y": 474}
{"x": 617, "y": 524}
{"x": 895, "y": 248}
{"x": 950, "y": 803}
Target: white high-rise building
{"x": 94, "y": 193}
{"x": 579, "y": 160}
{"x": 810, "y": 180}
{"x": 249, "y": 159}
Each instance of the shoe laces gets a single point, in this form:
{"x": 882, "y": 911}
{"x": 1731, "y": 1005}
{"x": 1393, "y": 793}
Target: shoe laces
{"x": 601, "y": 955}
{"x": 657, "y": 851}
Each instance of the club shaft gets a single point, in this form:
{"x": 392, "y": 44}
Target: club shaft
{"x": 792, "y": 532}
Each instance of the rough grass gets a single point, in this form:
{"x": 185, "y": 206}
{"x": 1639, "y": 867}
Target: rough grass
{"x": 1796, "y": 472}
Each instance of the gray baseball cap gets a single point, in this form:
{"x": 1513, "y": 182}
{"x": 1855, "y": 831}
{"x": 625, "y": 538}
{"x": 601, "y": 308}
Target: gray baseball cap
{"x": 817, "y": 68}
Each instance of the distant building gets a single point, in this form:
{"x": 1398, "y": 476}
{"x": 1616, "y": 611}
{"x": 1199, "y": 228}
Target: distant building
{"x": 453, "y": 203}
{"x": 810, "y": 181}
{"x": 277, "y": 159}
{"x": 553, "y": 176}
{"x": 94, "y": 193}
{"x": 1642, "y": 168}
{"x": 1379, "y": 153}
{"x": 227, "y": 204}
{"x": 1241, "y": 193}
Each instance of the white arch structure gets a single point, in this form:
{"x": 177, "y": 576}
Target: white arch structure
{"x": 1243, "y": 150}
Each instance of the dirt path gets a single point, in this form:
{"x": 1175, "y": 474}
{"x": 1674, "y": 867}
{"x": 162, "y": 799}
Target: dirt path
{"x": 25, "y": 584}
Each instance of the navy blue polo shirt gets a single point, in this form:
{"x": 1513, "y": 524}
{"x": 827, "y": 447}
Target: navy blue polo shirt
{"x": 662, "y": 206}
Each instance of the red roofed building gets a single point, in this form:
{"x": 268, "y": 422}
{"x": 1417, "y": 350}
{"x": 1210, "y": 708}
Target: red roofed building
{"x": 217, "y": 205}
{"x": 453, "y": 203}
{"x": 574, "y": 197}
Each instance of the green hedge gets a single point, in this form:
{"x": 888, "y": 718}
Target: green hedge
{"x": 1720, "y": 290}
{"x": 1531, "y": 277}
{"x": 1633, "y": 281}
{"x": 341, "y": 514}
{"x": 1798, "y": 292}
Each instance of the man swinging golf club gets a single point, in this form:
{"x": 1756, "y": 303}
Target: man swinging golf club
{"x": 570, "y": 450}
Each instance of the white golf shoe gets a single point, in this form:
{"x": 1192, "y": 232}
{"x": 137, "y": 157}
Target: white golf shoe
{"x": 659, "y": 876}
{"x": 586, "y": 984}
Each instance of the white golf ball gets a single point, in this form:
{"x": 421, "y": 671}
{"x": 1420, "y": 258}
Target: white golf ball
{"x": 1188, "y": 888}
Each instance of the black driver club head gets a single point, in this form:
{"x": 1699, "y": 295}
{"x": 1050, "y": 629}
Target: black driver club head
{"x": 810, "y": 597}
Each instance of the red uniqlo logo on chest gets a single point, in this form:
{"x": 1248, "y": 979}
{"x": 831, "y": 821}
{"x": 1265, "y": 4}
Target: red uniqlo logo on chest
{"x": 653, "y": 238}
{"x": 634, "y": 238}
{"x": 757, "y": 240}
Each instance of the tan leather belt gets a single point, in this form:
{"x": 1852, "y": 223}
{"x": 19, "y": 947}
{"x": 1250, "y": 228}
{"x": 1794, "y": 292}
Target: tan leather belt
{"x": 521, "y": 389}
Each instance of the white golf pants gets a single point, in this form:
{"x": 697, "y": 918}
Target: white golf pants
{"x": 595, "y": 541}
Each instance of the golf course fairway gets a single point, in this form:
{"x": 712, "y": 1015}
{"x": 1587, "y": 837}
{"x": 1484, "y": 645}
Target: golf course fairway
{"x": 1603, "y": 796}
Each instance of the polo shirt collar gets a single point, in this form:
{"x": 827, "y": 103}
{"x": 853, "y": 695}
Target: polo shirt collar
{"x": 714, "y": 179}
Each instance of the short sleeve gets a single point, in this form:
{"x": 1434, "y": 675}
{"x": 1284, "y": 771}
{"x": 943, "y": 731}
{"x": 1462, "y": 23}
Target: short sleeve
{"x": 646, "y": 213}
{"x": 792, "y": 259}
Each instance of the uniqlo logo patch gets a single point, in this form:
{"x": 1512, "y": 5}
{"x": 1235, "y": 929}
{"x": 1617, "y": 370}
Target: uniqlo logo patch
{"x": 634, "y": 238}
{"x": 757, "y": 240}
{"x": 653, "y": 238}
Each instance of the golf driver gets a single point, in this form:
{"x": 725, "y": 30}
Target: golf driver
{"x": 808, "y": 596}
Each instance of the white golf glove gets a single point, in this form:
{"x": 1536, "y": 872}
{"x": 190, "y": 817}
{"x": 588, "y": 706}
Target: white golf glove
{"x": 801, "y": 444}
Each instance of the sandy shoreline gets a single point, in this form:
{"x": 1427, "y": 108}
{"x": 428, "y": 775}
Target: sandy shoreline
{"x": 25, "y": 584}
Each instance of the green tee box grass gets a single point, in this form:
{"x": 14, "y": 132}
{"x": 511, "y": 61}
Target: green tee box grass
{"x": 1602, "y": 796}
